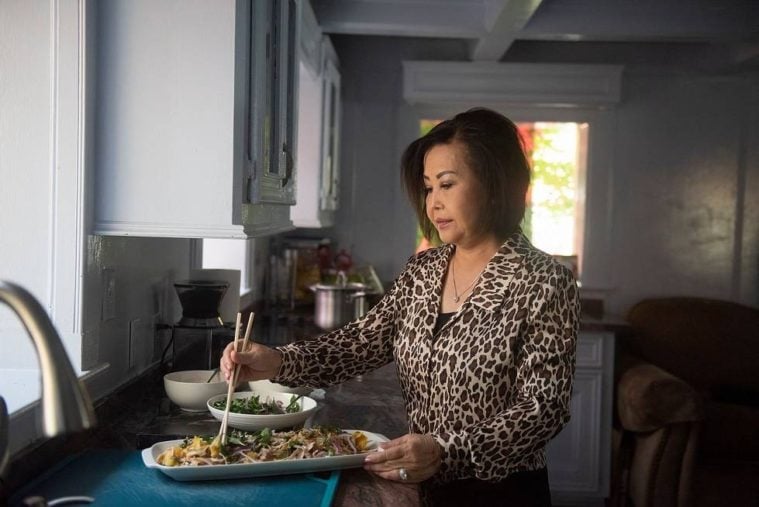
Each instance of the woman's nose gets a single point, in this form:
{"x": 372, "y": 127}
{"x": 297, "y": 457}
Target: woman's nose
{"x": 434, "y": 197}
{"x": 432, "y": 201}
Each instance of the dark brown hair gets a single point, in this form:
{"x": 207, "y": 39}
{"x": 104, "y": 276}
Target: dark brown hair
{"x": 495, "y": 153}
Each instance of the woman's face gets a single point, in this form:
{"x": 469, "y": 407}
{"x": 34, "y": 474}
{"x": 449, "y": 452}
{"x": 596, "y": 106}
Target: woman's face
{"x": 452, "y": 194}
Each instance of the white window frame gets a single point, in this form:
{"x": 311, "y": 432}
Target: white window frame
{"x": 531, "y": 93}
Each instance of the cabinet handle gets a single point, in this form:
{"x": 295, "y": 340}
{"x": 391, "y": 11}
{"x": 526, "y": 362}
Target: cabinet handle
{"x": 286, "y": 161}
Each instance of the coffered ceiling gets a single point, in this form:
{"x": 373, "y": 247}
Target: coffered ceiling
{"x": 493, "y": 26}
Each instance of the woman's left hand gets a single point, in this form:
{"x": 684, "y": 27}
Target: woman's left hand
{"x": 417, "y": 457}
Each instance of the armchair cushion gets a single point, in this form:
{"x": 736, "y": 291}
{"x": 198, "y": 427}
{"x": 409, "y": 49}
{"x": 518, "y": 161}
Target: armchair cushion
{"x": 705, "y": 342}
{"x": 649, "y": 398}
{"x": 688, "y": 396}
{"x": 730, "y": 433}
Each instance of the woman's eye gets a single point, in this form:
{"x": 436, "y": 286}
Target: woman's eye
{"x": 446, "y": 185}
{"x": 427, "y": 190}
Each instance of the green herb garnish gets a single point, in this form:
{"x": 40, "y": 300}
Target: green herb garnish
{"x": 255, "y": 406}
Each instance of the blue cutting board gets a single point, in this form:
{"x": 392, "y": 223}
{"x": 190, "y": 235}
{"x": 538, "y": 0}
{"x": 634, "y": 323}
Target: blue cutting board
{"x": 120, "y": 478}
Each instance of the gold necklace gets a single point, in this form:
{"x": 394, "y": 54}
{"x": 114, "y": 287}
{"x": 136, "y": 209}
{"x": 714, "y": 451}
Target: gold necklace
{"x": 456, "y": 295}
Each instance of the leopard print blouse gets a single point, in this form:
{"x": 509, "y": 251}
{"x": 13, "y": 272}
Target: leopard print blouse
{"x": 493, "y": 385}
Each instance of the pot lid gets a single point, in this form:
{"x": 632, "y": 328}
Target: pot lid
{"x": 201, "y": 284}
{"x": 353, "y": 286}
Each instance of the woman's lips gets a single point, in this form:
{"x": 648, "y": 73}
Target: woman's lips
{"x": 442, "y": 224}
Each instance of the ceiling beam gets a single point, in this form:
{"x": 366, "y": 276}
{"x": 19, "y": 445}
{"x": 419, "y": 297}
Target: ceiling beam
{"x": 642, "y": 21}
{"x": 402, "y": 18}
{"x": 506, "y": 24}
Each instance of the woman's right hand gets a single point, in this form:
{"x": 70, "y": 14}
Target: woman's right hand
{"x": 258, "y": 362}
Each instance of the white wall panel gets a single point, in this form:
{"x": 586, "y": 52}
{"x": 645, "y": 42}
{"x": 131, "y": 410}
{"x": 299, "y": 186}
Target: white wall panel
{"x": 44, "y": 150}
{"x": 25, "y": 172}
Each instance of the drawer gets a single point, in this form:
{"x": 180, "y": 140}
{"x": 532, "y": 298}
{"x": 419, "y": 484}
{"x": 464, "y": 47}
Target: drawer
{"x": 590, "y": 350}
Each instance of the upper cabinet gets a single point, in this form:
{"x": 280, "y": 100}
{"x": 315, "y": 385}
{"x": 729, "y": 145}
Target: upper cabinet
{"x": 274, "y": 115}
{"x": 196, "y": 117}
{"x": 328, "y": 197}
{"x": 318, "y": 127}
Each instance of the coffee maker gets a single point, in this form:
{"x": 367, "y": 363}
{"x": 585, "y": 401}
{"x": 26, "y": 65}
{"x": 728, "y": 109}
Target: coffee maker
{"x": 199, "y": 337}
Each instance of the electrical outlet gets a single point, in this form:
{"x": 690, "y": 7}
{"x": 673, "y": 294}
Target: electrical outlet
{"x": 108, "y": 301}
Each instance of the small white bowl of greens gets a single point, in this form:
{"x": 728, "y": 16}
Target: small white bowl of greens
{"x": 251, "y": 410}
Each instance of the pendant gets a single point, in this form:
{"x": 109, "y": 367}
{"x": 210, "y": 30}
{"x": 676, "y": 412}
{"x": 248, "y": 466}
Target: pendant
{"x": 456, "y": 299}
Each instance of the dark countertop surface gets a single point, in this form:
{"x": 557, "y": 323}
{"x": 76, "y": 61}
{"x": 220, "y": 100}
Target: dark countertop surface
{"x": 139, "y": 414}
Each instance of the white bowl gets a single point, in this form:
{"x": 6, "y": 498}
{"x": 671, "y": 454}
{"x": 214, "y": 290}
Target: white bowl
{"x": 266, "y": 386}
{"x": 189, "y": 388}
{"x": 251, "y": 422}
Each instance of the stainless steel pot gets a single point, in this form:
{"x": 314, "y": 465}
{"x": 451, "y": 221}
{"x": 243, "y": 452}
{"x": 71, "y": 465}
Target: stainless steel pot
{"x": 336, "y": 305}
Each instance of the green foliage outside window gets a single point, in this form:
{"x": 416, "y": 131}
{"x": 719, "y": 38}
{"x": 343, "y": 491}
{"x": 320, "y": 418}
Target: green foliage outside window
{"x": 553, "y": 171}
{"x": 553, "y": 186}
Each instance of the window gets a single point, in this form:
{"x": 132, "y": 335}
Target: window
{"x": 582, "y": 94}
{"x": 556, "y": 199}
{"x": 555, "y": 215}
{"x": 229, "y": 254}
{"x": 249, "y": 256}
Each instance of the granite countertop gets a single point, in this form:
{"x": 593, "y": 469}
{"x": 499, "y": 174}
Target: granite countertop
{"x": 372, "y": 402}
{"x": 139, "y": 414}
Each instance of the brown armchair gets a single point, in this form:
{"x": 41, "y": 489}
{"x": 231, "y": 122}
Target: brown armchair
{"x": 687, "y": 398}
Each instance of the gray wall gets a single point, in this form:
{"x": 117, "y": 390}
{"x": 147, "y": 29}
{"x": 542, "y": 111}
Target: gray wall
{"x": 375, "y": 221}
{"x": 686, "y": 196}
{"x": 685, "y": 193}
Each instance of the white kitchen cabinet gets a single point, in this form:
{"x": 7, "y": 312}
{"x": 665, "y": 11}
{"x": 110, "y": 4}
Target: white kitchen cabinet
{"x": 196, "y": 117}
{"x": 276, "y": 25}
{"x": 318, "y": 128}
{"x": 579, "y": 458}
{"x": 328, "y": 197}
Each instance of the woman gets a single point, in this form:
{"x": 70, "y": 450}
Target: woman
{"x": 482, "y": 329}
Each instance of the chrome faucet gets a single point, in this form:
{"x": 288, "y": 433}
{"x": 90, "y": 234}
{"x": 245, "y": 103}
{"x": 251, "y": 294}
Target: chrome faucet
{"x": 66, "y": 406}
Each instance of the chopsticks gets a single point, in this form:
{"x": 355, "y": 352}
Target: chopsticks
{"x": 222, "y": 437}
